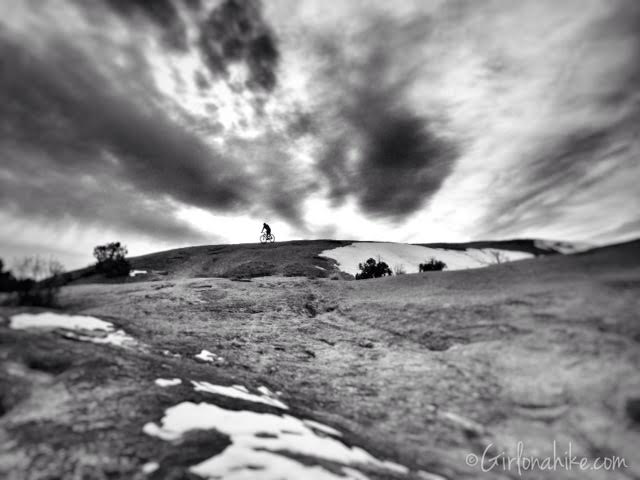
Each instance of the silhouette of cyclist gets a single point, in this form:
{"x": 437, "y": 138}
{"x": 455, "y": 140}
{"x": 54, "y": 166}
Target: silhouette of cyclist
{"x": 266, "y": 228}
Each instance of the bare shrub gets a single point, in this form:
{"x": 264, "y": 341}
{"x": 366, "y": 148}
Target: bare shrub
{"x": 38, "y": 281}
{"x": 399, "y": 269}
{"x": 498, "y": 256}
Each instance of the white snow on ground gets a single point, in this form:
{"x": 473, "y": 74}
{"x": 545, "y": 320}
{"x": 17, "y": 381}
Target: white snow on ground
{"x": 353, "y": 473}
{"x": 207, "y": 356}
{"x": 270, "y": 466}
{"x": 168, "y": 353}
{"x": 429, "y": 476}
{"x": 265, "y": 391}
{"x": 50, "y": 320}
{"x": 168, "y": 382}
{"x": 135, "y": 273}
{"x": 150, "y": 467}
{"x": 83, "y": 328}
{"x": 238, "y": 391}
{"x": 566, "y": 248}
{"x": 119, "y": 338}
{"x": 321, "y": 427}
{"x": 411, "y": 256}
{"x": 257, "y": 440}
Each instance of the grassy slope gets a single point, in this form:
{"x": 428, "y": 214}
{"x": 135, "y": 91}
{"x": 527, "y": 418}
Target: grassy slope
{"x": 292, "y": 259}
{"x": 295, "y": 258}
{"x": 419, "y": 368}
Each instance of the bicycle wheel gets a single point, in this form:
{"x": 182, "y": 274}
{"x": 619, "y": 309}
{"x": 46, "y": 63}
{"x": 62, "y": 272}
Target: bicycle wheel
{"x": 263, "y": 238}
{"x": 272, "y": 238}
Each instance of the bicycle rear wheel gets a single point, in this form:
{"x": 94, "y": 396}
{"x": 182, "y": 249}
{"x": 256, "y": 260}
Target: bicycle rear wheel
{"x": 272, "y": 238}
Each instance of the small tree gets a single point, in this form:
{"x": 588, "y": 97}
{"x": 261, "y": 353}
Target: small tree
{"x": 498, "y": 256}
{"x": 372, "y": 269}
{"x": 111, "y": 259}
{"x": 432, "y": 265}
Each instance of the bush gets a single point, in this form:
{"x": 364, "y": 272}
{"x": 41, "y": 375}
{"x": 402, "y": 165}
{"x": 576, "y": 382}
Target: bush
{"x": 432, "y": 265}
{"x": 111, "y": 260}
{"x": 38, "y": 281}
{"x": 8, "y": 283}
{"x": 399, "y": 269}
{"x": 498, "y": 257}
{"x": 372, "y": 269}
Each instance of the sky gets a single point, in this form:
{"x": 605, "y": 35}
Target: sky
{"x": 182, "y": 122}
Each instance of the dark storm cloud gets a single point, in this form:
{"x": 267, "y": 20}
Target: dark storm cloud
{"x": 84, "y": 137}
{"x": 562, "y": 172}
{"x": 58, "y": 103}
{"x": 380, "y": 150}
{"x": 282, "y": 185}
{"x": 236, "y": 31}
{"x": 572, "y": 161}
{"x": 161, "y": 12}
{"x": 233, "y": 32}
{"x": 63, "y": 198}
{"x": 57, "y": 109}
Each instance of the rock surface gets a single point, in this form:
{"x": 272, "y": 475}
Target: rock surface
{"x": 418, "y": 370}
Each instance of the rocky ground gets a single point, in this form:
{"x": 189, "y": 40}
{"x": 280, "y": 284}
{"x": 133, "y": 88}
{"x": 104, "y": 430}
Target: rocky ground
{"x": 419, "y": 370}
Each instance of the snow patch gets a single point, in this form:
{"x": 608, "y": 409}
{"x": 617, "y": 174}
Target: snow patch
{"x": 50, "y": 320}
{"x": 241, "y": 392}
{"x": 321, "y": 427}
{"x": 429, "y": 476}
{"x": 150, "y": 467}
{"x": 168, "y": 353}
{"x": 411, "y": 256}
{"x": 207, "y": 356}
{"x": 167, "y": 382}
{"x": 265, "y": 391}
{"x": 354, "y": 474}
{"x": 77, "y": 327}
{"x": 135, "y": 273}
{"x": 119, "y": 338}
{"x": 257, "y": 440}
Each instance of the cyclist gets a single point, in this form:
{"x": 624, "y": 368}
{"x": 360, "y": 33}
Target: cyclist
{"x": 266, "y": 228}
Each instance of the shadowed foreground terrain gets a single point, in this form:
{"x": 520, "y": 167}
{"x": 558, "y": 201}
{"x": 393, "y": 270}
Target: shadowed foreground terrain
{"x": 421, "y": 370}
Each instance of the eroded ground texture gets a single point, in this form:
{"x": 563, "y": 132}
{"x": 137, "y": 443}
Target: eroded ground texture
{"x": 392, "y": 378}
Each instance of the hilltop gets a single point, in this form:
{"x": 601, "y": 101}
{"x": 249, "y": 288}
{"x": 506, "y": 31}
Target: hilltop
{"x": 299, "y": 258}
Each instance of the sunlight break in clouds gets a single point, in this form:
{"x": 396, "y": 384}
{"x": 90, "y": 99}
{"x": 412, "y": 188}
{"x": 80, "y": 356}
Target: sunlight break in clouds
{"x": 186, "y": 122}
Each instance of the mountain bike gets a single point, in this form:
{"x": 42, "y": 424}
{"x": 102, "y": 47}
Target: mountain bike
{"x": 264, "y": 238}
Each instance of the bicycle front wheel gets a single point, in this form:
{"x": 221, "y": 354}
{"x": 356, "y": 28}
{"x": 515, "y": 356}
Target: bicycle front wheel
{"x": 263, "y": 238}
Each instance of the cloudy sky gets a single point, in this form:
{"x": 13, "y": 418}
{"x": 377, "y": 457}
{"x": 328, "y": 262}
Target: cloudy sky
{"x": 178, "y": 122}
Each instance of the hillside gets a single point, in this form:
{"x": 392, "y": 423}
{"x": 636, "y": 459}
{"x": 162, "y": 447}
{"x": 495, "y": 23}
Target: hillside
{"x": 394, "y": 378}
{"x": 300, "y": 258}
